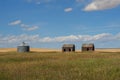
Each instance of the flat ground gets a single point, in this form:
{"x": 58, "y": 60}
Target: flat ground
{"x": 59, "y": 66}
{"x": 57, "y": 50}
{"x": 32, "y": 49}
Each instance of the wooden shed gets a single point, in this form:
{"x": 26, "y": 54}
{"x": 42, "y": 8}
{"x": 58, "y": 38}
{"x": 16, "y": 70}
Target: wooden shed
{"x": 68, "y": 48}
{"x": 88, "y": 47}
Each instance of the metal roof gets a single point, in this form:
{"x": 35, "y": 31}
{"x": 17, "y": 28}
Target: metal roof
{"x": 23, "y": 44}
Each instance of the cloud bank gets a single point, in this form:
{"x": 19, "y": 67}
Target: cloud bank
{"x": 35, "y": 39}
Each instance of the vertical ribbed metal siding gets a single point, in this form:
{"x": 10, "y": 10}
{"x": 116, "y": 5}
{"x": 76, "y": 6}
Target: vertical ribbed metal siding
{"x": 23, "y": 49}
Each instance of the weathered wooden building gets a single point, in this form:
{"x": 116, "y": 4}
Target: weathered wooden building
{"x": 68, "y": 48}
{"x": 88, "y": 47}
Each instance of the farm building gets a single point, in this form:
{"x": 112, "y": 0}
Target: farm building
{"x": 88, "y": 47}
{"x": 68, "y": 48}
{"x": 23, "y": 48}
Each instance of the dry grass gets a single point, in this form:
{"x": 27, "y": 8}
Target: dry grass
{"x": 32, "y": 50}
{"x": 109, "y": 50}
{"x": 60, "y": 66}
{"x": 8, "y": 49}
{"x": 56, "y": 50}
{"x": 44, "y": 50}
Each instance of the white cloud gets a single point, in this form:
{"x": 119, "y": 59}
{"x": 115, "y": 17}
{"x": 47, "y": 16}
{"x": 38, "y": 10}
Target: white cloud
{"x": 68, "y": 9}
{"x": 23, "y": 26}
{"x": 31, "y": 28}
{"x": 101, "y": 36}
{"x": 14, "y": 40}
{"x": 101, "y": 5}
{"x": 17, "y": 22}
{"x": 28, "y": 28}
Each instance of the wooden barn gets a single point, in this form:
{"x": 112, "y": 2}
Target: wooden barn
{"x": 88, "y": 47}
{"x": 68, "y": 48}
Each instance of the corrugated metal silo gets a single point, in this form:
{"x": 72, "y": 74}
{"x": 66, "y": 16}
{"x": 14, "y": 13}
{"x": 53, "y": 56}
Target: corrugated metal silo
{"x": 23, "y": 48}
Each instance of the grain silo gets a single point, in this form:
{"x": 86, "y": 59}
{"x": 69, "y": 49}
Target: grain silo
{"x": 88, "y": 47}
{"x": 68, "y": 48}
{"x": 23, "y": 48}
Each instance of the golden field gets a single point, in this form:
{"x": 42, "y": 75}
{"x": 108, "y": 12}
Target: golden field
{"x": 58, "y": 50}
{"x": 32, "y": 49}
{"x": 58, "y": 66}
{"x": 52, "y": 64}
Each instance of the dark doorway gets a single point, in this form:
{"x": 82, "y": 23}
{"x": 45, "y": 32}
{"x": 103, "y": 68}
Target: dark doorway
{"x": 87, "y": 49}
{"x": 69, "y": 50}
{"x": 64, "y": 50}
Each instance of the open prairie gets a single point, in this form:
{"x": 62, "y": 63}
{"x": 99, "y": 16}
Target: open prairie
{"x": 32, "y": 49}
{"x": 59, "y": 66}
{"x": 108, "y": 50}
{"x": 58, "y": 50}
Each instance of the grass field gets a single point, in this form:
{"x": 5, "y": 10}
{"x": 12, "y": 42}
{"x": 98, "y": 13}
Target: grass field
{"x": 60, "y": 66}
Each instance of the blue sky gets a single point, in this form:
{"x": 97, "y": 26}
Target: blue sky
{"x": 52, "y": 23}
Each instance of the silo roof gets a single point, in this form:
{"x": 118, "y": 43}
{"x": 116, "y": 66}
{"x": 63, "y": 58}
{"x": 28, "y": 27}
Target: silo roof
{"x": 23, "y": 44}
